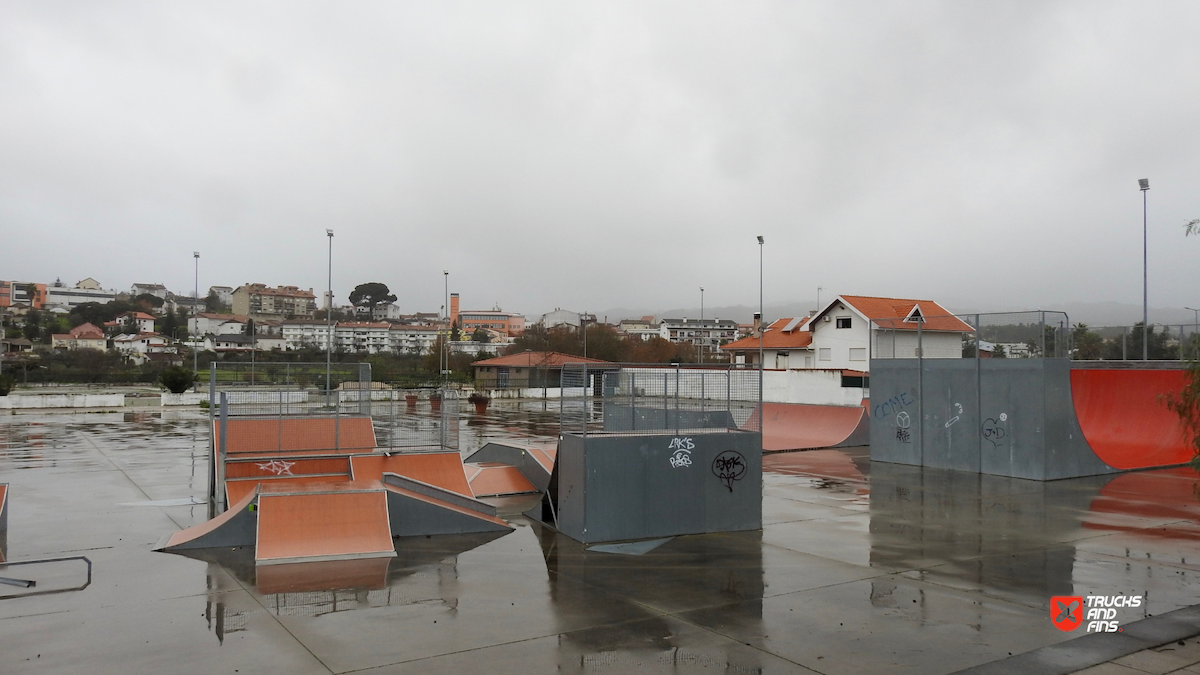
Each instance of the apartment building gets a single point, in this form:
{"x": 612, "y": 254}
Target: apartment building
{"x": 282, "y": 302}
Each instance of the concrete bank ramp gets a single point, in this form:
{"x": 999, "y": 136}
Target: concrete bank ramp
{"x": 798, "y": 426}
{"x": 1124, "y": 419}
{"x": 316, "y": 522}
{"x": 419, "y": 508}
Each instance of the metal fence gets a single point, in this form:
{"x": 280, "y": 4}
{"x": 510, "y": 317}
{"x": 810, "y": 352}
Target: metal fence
{"x": 638, "y": 399}
{"x": 404, "y": 420}
{"x": 301, "y": 375}
{"x": 1034, "y": 334}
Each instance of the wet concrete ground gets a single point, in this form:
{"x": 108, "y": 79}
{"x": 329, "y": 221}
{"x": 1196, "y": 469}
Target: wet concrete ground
{"x": 860, "y": 568}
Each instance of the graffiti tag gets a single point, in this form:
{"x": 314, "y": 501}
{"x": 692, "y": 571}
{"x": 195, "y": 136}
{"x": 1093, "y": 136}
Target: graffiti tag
{"x": 992, "y": 431}
{"x": 893, "y": 404}
{"x": 277, "y": 467}
{"x": 729, "y": 466}
{"x": 683, "y": 452}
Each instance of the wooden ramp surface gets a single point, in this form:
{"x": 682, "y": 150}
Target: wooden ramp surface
{"x": 443, "y": 469}
{"x": 488, "y": 479}
{"x": 314, "y": 522}
{"x": 296, "y": 434}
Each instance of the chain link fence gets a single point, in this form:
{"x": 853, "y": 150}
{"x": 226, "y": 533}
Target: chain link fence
{"x": 639, "y": 399}
{"x": 1033, "y": 334}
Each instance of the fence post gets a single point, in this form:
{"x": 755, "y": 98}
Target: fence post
{"x": 337, "y": 421}
{"x": 676, "y": 399}
{"x": 921, "y": 389}
{"x": 1042, "y": 335}
{"x": 221, "y": 452}
{"x": 279, "y": 437}
{"x": 1124, "y": 350}
{"x": 978, "y": 394}
{"x": 632, "y": 401}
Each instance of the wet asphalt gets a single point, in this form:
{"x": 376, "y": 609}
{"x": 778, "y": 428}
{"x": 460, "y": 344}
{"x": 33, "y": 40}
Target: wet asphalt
{"x": 859, "y": 568}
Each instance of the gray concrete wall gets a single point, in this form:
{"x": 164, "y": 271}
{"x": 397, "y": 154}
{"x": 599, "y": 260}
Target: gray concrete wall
{"x": 613, "y": 488}
{"x": 1006, "y": 417}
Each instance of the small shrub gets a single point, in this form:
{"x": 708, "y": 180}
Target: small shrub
{"x": 177, "y": 379}
{"x": 477, "y": 397}
{"x": 6, "y": 384}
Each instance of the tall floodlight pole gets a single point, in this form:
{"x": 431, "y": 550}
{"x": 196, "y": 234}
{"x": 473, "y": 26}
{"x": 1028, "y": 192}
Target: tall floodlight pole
{"x": 329, "y": 319}
{"x": 449, "y": 327}
{"x": 702, "y": 324}
{"x": 761, "y": 320}
{"x": 1144, "y": 185}
{"x": 195, "y": 307}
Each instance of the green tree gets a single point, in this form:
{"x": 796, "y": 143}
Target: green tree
{"x": 33, "y": 325}
{"x": 1089, "y": 346}
{"x": 148, "y": 302}
{"x": 212, "y": 303}
{"x": 481, "y": 335}
{"x": 455, "y": 333}
{"x": 177, "y": 379}
{"x": 371, "y": 295}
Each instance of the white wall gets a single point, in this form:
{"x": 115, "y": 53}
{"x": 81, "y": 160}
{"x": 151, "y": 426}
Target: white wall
{"x": 816, "y": 387}
{"x": 937, "y": 345}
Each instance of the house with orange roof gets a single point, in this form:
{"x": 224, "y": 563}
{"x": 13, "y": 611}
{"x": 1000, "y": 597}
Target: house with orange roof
{"x": 83, "y": 336}
{"x": 525, "y": 370}
{"x": 845, "y": 333}
{"x": 825, "y": 358}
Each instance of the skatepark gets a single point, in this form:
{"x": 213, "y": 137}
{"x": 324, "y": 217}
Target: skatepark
{"x": 333, "y": 552}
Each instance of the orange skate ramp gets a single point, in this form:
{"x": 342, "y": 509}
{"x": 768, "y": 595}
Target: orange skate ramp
{"x": 296, "y": 434}
{"x": 316, "y": 522}
{"x": 534, "y": 462}
{"x": 443, "y": 469}
{"x": 235, "y": 527}
{"x": 417, "y": 508}
{"x": 489, "y": 479}
{"x": 799, "y": 426}
{"x": 236, "y": 489}
{"x": 1125, "y": 421}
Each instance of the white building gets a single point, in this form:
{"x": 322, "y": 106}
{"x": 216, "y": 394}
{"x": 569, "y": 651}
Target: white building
{"x": 143, "y": 321}
{"x": 210, "y": 323}
{"x": 68, "y": 297}
{"x": 137, "y": 348}
{"x": 705, "y": 333}
{"x": 561, "y": 317}
{"x": 157, "y": 290}
{"x": 846, "y": 333}
{"x": 224, "y": 294}
{"x": 643, "y": 328}
{"x": 361, "y": 336}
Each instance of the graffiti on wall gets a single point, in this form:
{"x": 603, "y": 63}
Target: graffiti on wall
{"x": 993, "y": 429}
{"x": 729, "y": 466}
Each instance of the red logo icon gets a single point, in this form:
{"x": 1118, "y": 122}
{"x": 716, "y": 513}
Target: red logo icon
{"x": 1066, "y": 611}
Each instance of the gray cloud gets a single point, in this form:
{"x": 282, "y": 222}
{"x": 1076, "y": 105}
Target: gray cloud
{"x": 609, "y": 154}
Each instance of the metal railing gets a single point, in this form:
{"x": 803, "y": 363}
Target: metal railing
{"x": 636, "y": 399}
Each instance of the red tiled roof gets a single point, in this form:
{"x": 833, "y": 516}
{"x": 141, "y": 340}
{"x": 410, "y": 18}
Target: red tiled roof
{"x": 86, "y": 331}
{"x": 536, "y": 360}
{"x": 363, "y": 324}
{"x": 891, "y": 312}
{"x": 213, "y": 316}
{"x": 775, "y": 338}
{"x": 136, "y": 315}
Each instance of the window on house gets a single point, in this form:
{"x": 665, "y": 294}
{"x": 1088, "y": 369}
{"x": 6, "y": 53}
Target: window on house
{"x": 843, "y": 322}
{"x": 781, "y": 360}
{"x": 825, "y": 354}
{"x": 858, "y": 353}
{"x": 856, "y": 381}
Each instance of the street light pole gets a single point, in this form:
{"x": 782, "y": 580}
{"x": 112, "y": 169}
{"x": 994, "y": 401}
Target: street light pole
{"x": 701, "y": 341}
{"x": 329, "y": 320}
{"x": 1144, "y": 185}
{"x": 446, "y": 342}
{"x": 195, "y": 306}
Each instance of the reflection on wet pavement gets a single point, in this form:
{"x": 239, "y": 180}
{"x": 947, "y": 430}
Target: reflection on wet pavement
{"x": 859, "y": 568}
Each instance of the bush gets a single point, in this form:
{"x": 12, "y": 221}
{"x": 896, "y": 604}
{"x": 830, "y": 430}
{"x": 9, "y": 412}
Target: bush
{"x": 6, "y": 384}
{"x": 177, "y": 379}
{"x": 476, "y": 397}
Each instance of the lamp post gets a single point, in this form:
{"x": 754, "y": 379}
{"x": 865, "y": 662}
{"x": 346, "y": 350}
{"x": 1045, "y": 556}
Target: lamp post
{"x": 761, "y": 321}
{"x": 1144, "y": 186}
{"x": 701, "y": 340}
{"x": 329, "y": 319}
{"x": 195, "y": 306}
{"x": 446, "y": 342}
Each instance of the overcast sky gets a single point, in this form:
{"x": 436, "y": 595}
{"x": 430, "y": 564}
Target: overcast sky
{"x": 599, "y": 155}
